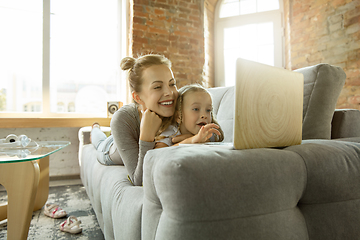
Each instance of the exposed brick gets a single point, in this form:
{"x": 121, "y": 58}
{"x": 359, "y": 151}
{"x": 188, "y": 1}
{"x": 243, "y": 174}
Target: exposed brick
{"x": 185, "y": 10}
{"x": 335, "y": 27}
{"x": 173, "y": 49}
{"x": 139, "y": 20}
{"x": 140, "y": 27}
{"x": 180, "y": 33}
{"x": 141, "y": 2}
{"x": 140, "y": 40}
{"x": 328, "y": 31}
{"x": 160, "y": 5}
{"x": 138, "y": 8}
{"x": 182, "y": 22}
{"x": 183, "y": 39}
{"x": 142, "y": 14}
{"x": 194, "y": 6}
{"x": 161, "y": 48}
{"x": 336, "y": 18}
{"x": 353, "y": 13}
{"x": 159, "y": 11}
{"x": 194, "y": 18}
{"x": 159, "y": 24}
{"x": 353, "y": 28}
{"x": 138, "y": 33}
{"x": 195, "y": 12}
{"x": 157, "y": 30}
{"x": 173, "y": 38}
{"x": 354, "y": 99}
{"x": 337, "y": 3}
{"x": 184, "y": 51}
{"x": 149, "y": 23}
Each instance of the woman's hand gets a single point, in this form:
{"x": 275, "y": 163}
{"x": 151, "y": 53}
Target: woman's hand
{"x": 205, "y": 133}
{"x": 150, "y": 124}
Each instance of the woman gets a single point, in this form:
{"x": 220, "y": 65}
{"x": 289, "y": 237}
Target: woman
{"x": 134, "y": 126}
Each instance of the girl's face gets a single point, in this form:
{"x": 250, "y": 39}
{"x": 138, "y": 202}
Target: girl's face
{"x": 196, "y": 112}
{"x": 158, "y": 91}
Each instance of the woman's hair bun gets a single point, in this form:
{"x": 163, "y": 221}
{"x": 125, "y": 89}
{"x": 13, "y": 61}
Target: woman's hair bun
{"x": 127, "y": 63}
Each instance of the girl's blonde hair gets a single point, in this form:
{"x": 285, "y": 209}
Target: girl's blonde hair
{"x": 135, "y": 67}
{"x": 179, "y": 105}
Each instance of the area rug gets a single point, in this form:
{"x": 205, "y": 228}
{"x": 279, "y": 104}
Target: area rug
{"x": 74, "y": 200}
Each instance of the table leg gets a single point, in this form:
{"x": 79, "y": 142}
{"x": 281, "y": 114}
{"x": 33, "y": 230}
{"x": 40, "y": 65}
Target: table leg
{"x": 3, "y": 211}
{"x": 20, "y": 181}
{"x": 43, "y": 187}
{"x": 42, "y": 190}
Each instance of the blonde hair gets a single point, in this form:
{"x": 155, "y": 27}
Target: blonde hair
{"x": 179, "y": 105}
{"x": 136, "y": 66}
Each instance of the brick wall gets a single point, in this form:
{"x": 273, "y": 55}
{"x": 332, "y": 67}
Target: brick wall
{"x": 316, "y": 31}
{"x": 328, "y": 32}
{"x": 174, "y": 28}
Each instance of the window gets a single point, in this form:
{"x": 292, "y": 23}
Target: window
{"x": 61, "y": 58}
{"x": 249, "y": 29}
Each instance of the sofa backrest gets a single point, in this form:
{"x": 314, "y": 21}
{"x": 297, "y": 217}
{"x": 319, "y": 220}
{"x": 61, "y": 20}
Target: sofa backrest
{"x": 223, "y": 107}
{"x": 322, "y": 86}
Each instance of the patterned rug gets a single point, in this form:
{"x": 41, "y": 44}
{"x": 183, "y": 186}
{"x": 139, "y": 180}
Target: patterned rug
{"x": 74, "y": 200}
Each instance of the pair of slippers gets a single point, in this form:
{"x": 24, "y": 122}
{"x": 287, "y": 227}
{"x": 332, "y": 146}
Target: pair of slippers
{"x": 70, "y": 225}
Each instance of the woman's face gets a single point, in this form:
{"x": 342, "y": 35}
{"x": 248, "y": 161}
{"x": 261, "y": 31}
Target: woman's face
{"x": 158, "y": 90}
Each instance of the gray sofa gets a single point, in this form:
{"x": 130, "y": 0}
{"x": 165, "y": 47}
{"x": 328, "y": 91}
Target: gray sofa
{"x": 307, "y": 191}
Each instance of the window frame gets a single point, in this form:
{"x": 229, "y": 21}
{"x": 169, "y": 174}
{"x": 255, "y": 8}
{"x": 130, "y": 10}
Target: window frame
{"x": 123, "y": 30}
{"x": 275, "y": 16}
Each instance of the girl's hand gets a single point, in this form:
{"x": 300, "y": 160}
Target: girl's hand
{"x": 150, "y": 124}
{"x": 205, "y": 133}
{"x": 181, "y": 138}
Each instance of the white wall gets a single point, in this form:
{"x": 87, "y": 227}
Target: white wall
{"x": 62, "y": 163}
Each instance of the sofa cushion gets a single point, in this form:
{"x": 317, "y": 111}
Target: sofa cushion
{"x": 322, "y": 86}
{"x": 331, "y": 201}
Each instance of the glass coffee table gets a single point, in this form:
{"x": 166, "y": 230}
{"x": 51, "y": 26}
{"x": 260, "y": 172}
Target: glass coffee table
{"x": 24, "y": 172}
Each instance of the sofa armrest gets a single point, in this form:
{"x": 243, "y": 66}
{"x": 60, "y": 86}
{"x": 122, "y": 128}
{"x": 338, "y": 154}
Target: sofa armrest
{"x": 200, "y": 192}
{"x": 345, "y": 123}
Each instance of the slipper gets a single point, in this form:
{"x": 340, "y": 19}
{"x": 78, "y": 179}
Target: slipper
{"x": 71, "y": 225}
{"x": 54, "y": 211}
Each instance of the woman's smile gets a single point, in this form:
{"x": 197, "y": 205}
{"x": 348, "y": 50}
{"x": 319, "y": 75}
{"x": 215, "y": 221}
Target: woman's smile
{"x": 167, "y": 103}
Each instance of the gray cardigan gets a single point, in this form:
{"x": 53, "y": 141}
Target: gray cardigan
{"x": 125, "y": 127}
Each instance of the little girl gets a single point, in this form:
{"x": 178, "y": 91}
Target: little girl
{"x": 194, "y": 119}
